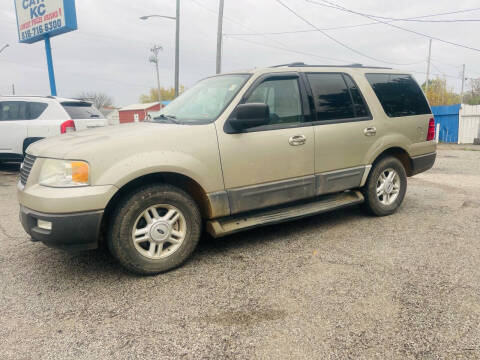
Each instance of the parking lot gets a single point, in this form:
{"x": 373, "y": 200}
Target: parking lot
{"x": 338, "y": 285}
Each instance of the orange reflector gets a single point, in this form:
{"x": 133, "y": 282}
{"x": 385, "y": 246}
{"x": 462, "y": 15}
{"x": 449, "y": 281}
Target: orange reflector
{"x": 79, "y": 172}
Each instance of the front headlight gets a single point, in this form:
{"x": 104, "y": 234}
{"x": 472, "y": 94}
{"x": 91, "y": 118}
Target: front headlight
{"x": 64, "y": 173}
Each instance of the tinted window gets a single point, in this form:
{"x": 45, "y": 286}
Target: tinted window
{"x": 282, "y": 97}
{"x": 399, "y": 95}
{"x": 331, "y": 96}
{"x": 359, "y": 105}
{"x": 36, "y": 109}
{"x": 81, "y": 110}
{"x": 13, "y": 110}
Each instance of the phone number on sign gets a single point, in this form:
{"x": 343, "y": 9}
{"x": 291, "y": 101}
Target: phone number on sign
{"x": 41, "y": 29}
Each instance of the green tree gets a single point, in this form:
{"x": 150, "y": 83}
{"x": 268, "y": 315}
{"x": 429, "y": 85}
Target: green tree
{"x": 167, "y": 94}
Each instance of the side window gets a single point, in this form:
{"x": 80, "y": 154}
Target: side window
{"x": 399, "y": 94}
{"x": 282, "y": 97}
{"x": 359, "y": 105}
{"x": 13, "y": 110}
{"x": 331, "y": 96}
{"x": 36, "y": 109}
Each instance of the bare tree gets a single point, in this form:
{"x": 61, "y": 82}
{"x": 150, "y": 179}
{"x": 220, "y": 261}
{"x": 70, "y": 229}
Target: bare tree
{"x": 99, "y": 100}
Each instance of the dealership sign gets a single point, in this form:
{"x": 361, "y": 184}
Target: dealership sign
{"x": 40, "y": 19}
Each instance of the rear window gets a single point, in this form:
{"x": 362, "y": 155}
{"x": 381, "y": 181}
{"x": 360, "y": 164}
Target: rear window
{"x": 399, "y": 95}
{"x": 81, "y": 110}
{"x": 21, "y": 110}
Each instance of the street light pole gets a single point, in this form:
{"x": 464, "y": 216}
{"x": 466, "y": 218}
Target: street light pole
{"x": 4, "y": 47}
{"x": 177, "y": 42}
{"x": 177, "y": 48}
{"x": 219, "y": 37}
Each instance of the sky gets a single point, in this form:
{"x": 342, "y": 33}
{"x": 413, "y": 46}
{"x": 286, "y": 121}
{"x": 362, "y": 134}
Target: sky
{"x": 109, "y": 52}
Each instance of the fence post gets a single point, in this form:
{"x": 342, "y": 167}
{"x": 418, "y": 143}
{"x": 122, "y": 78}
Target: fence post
{"x": 437, "y": 133}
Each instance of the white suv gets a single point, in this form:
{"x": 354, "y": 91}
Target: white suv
{"x": 26, "y": 119}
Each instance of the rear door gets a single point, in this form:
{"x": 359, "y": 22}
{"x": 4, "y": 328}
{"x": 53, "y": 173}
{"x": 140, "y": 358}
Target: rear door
{"x": 13, "y": 127}
{"x": 344, "y": 131}
{"x": 84, "y": 114}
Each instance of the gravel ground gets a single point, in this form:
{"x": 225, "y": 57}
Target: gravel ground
{"x": 339, "y": 285}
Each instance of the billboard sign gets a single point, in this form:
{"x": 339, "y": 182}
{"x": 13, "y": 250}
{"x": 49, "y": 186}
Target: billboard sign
{"x": 38, "y": 19}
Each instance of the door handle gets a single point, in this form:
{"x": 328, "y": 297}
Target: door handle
{"x": 370, "y": 131}
{"x": 297, "y": 140}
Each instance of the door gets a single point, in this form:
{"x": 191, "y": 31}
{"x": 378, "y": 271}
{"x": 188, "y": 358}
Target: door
{"x": 344, "y": 131}
{"x": 13, "y": 127}
{"x": 274, "y": 163}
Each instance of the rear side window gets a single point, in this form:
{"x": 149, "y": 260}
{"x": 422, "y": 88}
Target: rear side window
{"x": 81, "y": 110}
{"x": 21, "y": 110}
{"x": 399, "y": 95}
{"x": 336, "y": 97}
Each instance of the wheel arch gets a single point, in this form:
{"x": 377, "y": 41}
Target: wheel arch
{"x": 176, "y": 179}
{"x": 397, "y": 152}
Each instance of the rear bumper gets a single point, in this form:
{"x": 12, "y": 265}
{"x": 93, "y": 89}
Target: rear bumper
{"x": 73, "y": 232}
{"x": 423, "y": 162}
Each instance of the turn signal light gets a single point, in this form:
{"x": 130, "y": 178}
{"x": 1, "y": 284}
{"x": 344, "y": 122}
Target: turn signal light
{"x": 67, "y": 126}
{"x": 431, "y": 130}
{"x": 79, "y": 172}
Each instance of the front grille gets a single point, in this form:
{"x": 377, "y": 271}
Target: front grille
{"x": 27, "y": 165}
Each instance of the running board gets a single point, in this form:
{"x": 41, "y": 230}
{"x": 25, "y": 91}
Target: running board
{"x": 229, "y": 225}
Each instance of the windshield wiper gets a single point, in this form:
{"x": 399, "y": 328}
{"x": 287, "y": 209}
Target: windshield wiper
{"x": 172, "y": 118}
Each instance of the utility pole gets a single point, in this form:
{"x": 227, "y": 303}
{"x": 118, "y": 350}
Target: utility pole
{"x": 428, "y": 64}
{"x": 177, "y": 47}
{"x": 13, "y": 89}
{"x": 219, "y": 37}
{"x": 154, "y": 59}
{"x": 463, "y": 84}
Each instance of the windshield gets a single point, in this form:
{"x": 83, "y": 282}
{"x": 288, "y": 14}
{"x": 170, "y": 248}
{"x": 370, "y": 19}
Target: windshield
{"x": 203, "y": 102}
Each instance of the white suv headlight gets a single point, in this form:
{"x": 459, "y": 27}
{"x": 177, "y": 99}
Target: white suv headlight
{"x": 64, "y": 173}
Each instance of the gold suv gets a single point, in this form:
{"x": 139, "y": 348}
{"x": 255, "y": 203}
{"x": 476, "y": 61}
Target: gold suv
{"x": 235, "y": 151}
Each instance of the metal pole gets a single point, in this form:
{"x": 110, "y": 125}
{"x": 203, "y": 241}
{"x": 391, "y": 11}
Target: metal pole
{"x": 428, "y": 64}
{"x": 463, "y": 84}
{"x": 219, "y": 37}
{"x": 155, "y": 50}
{"x": 4, "y": 47}
{"x": 177, "y": 45}
{"x": 51, "y": 73}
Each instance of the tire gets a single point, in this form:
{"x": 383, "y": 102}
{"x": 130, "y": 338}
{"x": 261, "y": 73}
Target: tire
{"x": 146, "y": 211}
{"x": 393, "y": 191}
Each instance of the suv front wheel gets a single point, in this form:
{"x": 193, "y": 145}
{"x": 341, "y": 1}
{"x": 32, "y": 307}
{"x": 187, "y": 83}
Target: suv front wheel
{"x": 385, "y": 187}
{"x": 154, "y": 229}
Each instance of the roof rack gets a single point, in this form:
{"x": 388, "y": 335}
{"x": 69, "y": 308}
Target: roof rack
{"x": 301, "y": 64}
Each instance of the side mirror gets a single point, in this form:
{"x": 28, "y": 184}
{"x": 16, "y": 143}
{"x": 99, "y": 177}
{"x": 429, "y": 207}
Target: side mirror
{"x": 250, "y": 115}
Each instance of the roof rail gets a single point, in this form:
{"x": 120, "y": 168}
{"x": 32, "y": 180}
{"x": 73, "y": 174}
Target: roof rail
{"x": 301, "y": 64}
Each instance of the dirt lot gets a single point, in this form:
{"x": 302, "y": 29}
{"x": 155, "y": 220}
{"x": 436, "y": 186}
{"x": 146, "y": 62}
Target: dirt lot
{"x": 339, "y": 285}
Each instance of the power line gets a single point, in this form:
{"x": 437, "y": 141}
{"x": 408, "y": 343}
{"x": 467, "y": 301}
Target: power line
{"x": 292, "y": 51}
{"x": 390, "y": 24}
{"x": 334, "y": 39}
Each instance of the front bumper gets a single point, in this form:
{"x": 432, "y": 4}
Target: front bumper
{"x": 423, "y": 163}
{"x": 74, "y": 232}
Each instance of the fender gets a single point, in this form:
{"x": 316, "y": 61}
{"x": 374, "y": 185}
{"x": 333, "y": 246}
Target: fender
{"x": 138, "y": 165}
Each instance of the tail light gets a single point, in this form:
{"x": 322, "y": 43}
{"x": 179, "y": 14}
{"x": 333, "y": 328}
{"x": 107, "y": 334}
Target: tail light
{"x": 67, "y": 126}
{"x": 431, "y": 130}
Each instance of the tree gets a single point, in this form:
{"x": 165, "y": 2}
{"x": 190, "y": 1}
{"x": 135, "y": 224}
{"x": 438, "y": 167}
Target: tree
{"x": 167, "y": 94}
{"x": 99, "y": 100}
{"x": 439, "y": 94}
{"x": 472, "y": 97}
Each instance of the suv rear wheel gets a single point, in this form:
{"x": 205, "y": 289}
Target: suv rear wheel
{"x": 154, "y": 229}
{"x": 385, "y": 187}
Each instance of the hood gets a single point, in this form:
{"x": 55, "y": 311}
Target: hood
{"x": 83, "y": 145}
